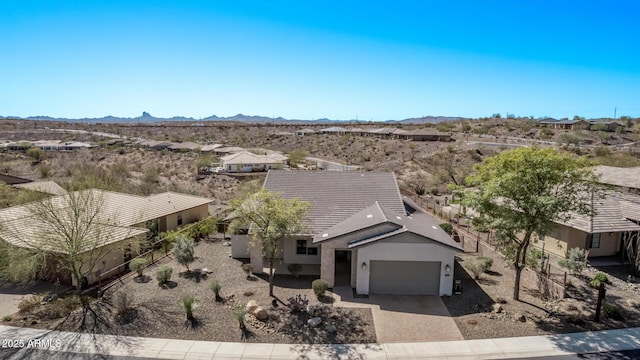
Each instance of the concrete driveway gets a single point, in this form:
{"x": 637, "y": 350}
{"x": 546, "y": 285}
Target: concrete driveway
{"x": 10, "y": 295}
{"x": 404, "y": 318}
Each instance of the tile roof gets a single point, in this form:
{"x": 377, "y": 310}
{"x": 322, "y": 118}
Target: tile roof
{"x": 608, "y": 217}
{"x": 335, "y": 196}
{"x": 187, "y": 145}
{"x": 617, "y": 176}
{"x": 418, "y": 223}
{"x": 119, "y": 213}
{"x": 245, "y": 157}
{"x": 48, "y": 186}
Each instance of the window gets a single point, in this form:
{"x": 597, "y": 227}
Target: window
{"x": 301, "y": 247}
{"x": 179, "y": 219}
{"x": 595, "y": 241}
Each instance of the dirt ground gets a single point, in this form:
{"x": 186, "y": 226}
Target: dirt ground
{"x": 474, "y": 313}
{"x": 155, "y": 311}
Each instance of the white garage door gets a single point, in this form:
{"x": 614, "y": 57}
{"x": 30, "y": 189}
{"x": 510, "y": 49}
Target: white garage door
{"x": 404, "y": 277}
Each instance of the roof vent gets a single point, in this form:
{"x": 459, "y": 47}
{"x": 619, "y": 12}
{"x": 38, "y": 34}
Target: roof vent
{"x": 369, "y": 216}
{"x": 325, "y": 235}
{"x": 435, "y": 227}
{"x": 398, "y": 217}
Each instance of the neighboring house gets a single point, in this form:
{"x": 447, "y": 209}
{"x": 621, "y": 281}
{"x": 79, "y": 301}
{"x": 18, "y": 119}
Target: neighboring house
{"x": 606, "y": 233}
{"x": 123, "y": 218}
{"x": 156, "y": 145}
{"x": 305, "y": 132}
{"x": 210, "y": 147}
{"x": 334, "y": 130}
{"x": 245, "y": 161}
{"x": 43, "y": 186}
{"x": 622, "y": 179}
{"x": 227, "y": 150}
{"x": 185, "y": 147}
{"x": 425, "y": 134}
{"x": 566, "y": 124}
{"x": 386, "y": 132}
{"x": 610, "y": 126}
{"x": 360, "y": 233}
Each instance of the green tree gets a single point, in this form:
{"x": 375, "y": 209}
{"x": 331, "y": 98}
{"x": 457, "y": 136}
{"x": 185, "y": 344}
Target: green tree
{"x": 271, "y": 218}
{"x": 36, "y": 153}
{"x": 524, "y": 191}
{"x": 183, "y": 250}
{"x": 296, "y": 157}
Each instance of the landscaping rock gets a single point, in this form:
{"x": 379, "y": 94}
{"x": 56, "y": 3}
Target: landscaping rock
{"x": 313, "y": 322}
{"x": 331, "y": 329}
{"x": 520, "y": 317}
{"x": 497, "y": 308}
{"x": 251, "y": 306}
{"x": 260, "y": 313}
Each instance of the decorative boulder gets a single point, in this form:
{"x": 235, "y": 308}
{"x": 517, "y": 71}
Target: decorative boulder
{"x": 313, "y": 322}
{"x": 520, "y": 317}
{"x": 497, "y": 308}
{"x": 260, "y": 313}
{"x": 251, "y": 306}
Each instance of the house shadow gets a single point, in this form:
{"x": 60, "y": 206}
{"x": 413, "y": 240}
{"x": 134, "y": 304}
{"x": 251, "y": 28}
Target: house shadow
{"x": 289, "y": 281}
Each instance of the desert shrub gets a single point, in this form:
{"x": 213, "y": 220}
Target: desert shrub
{"x": 599, "y": 278}
{"x": 319, "y": 287}
{"x": 240, "y": 313}
{"x": 61, "y": 307}
{"x": 295, "y": 269}
{"x": 163, "y": 275}
{"x": 138, "y": 264}
{"x": 611, "y": 312}
{"x": 44, "y": 170}
{"x": 448, "y": 228}
{"x": 575, "y": 260}
{"x": 434, "y": 191}
{"x": 247, "y": 268}
{"x": 122, "y": 301}
{"x": 488, "y": 262}
{"x": 476, "y": 266}
{"x": 29, "y": 303}
{"x": 215, "y": 286}
{"x": 7, "y": 318}
{"x": 183, "y": 250}
{"x": 36, "y": 153}
{"x": 297, "y": 303}
{"x": 189, "y": 303}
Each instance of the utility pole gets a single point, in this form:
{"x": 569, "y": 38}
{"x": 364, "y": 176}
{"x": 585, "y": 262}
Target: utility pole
{"x": 615, "y": 110}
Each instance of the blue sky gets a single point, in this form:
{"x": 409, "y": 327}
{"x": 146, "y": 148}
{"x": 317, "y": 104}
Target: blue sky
{"x": 308, "y": 60}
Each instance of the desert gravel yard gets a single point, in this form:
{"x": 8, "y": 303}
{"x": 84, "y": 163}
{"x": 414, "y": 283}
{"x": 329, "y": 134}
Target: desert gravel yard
{"x": 156, "y": 312}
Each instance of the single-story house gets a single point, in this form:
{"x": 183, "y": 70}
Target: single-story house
{"x": 622, "y": 179}
{"x": 360, "y": 233}
{"x": 615, "y": 222}
{"x": 43, "y": 186}
{"x": 305, "y": 132}
{"x": 227, "y": 150}
{"x": 122, "y": 219}
{"x": 610, "y": 126}
{"x": 245, "y": 161}
{"x": 566, "y": 124}
{"x": 210, "y": 147}
{"x": 333, "y": 130}
{"x": 425, "y": 134}
{"x": 185, "y": 147}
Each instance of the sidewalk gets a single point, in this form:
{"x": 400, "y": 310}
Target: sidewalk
{"x": 132, "y": 347}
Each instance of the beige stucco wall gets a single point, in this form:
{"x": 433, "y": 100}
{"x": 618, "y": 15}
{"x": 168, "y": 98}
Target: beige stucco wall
{"x": 609, "y": 245}
{"x": 240, "y": 246}
{"x": 188, "y": 216}
{"x": 407, "y": 247}
{"x": 113, "y": 257}
{"x": 290, "y": 256}
{"x": 562, "y": 238}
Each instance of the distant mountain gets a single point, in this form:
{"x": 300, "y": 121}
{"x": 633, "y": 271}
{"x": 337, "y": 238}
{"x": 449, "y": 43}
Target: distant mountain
{"x": 256, "y": 119}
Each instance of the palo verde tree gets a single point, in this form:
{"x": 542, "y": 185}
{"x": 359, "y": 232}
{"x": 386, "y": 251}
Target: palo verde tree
{"x": 270, "y": 218}
{"x": 524, "y": 191}
{"x": 71, "y": 233}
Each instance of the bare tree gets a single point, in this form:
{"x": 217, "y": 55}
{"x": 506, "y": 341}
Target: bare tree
{"x": 71, "y": 233}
